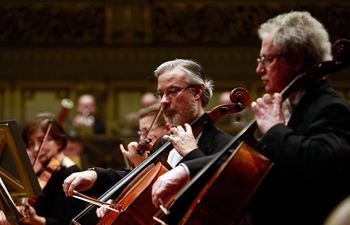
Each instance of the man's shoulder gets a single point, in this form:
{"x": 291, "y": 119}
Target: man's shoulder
{"x": 217, "y": 132}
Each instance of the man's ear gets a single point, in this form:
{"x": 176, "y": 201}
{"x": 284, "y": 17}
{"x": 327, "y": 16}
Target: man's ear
{"x": 198, "y": 90}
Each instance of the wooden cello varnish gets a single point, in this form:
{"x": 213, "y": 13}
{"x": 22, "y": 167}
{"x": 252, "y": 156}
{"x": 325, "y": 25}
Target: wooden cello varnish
{"x": 244, "y": 168}
{"x": 138, "y": 196}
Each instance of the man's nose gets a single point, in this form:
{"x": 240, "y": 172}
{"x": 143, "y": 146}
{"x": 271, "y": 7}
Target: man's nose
{"x": 260, "y": 69}
{"x": 142, "y": 137}
{"x": 164, "y": 99}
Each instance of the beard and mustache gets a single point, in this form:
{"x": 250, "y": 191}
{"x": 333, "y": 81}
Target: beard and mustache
{"x": 182, "y": 117}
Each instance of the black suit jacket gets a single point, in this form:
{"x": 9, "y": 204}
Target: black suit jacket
{"x": 312, "y": 167}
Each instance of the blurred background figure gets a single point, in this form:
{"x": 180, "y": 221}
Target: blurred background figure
{"x": 225, "y": 98}
{"x": 75, "y": 149}
{"x": 234, "y": 122}
{"x": 132, "y": 119}
{"x": 85, "y": 120}
{"x": 147, "y": 99}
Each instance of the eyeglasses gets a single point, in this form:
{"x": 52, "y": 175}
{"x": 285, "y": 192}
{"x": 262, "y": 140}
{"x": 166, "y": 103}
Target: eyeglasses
{"x": 144, "y": 132}
{"x": 171, "y": 93}
{"x": 267, "y": 60}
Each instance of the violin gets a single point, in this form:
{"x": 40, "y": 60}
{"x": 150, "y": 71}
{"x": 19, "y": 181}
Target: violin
{"x": 45, "y": 175}
{"x": 242, "y": 170}
{"x": 146, "y": 145}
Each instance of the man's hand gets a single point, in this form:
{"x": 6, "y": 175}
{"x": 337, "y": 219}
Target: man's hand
{"x": 182, "y": 140}
{"x": 169, "y": 184}
{"x": 268, "y": 112}
{"x": 3, "y": 219}
{"x": 35, "y": 218}
{"x": 101, "y": 211}
{"x": 79, "y": 181}
{"x": 132, "y": 154}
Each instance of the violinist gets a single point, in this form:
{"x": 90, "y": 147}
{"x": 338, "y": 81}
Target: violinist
{"x": 137, "y": 151}
{"x": 308, "y": 140}
{"x": 183, "y": 91}
{"x": 53, "y": 207}
{"x": 159, "y": 128}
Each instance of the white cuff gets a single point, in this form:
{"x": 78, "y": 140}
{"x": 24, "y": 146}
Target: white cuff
{"x": 186, "y": 169}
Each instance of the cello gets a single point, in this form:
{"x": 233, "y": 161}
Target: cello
{"x": 242, "y": 168}
{"x": 133, "y": 190}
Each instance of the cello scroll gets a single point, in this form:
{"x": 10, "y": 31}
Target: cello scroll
{"x": 239, "y": 97}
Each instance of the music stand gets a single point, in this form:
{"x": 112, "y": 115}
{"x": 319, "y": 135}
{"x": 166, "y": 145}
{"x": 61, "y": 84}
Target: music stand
{"x": 16, "y": 171}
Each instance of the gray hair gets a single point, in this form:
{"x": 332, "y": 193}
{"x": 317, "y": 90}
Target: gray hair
{"x": 195, "y": 76}
{"x": 299, "y": 32}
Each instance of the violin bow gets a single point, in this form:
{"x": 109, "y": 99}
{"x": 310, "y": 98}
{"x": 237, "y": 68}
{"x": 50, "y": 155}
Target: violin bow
{"x": 49, "y": 125}
{"x": 160, "y": 109}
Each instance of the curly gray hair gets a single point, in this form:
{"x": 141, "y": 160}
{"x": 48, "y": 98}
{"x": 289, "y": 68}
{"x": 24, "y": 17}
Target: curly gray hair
{"x": 299, "y": 32}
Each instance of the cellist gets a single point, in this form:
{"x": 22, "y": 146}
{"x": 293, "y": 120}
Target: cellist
{"x": 307, "y": 136}
{"x": 51, "y": 167}
{"x": 183, "y": 91}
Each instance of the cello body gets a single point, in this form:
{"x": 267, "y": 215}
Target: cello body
{"x": 132, "y": 199}
{"x": 250, "y": 167}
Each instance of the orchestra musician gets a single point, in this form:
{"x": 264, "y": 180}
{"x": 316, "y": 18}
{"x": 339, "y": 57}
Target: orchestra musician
{"x": 308, "y": 141}
{"x": 87, "y": 115}
{"x": 53, "y": 207}
{"x": 147, "y": 116}
{"x": 147, "y": 130}
{"x": 183, "y": 91}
